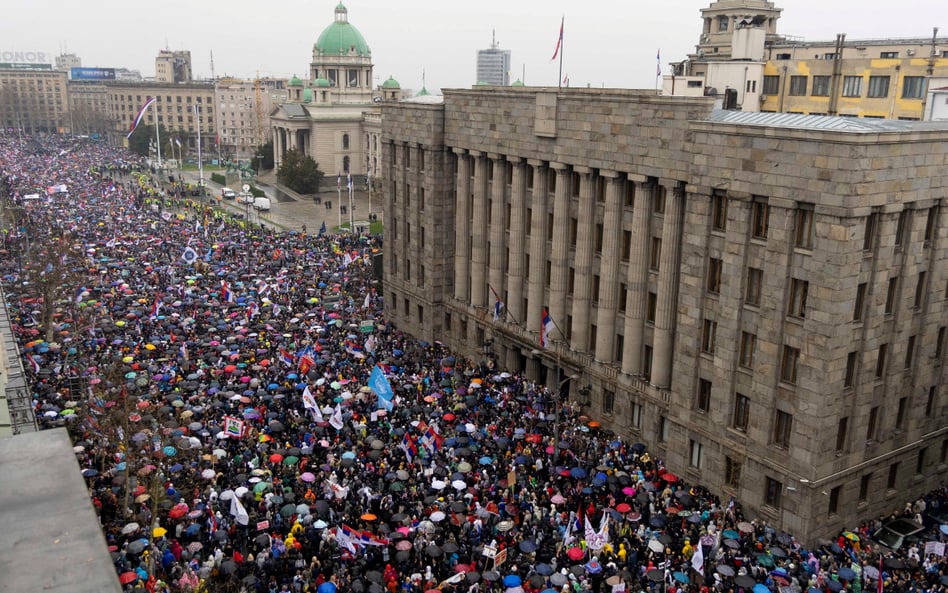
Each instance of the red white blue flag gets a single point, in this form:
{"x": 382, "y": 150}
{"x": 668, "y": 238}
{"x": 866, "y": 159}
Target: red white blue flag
{"x": 141, "y": 115}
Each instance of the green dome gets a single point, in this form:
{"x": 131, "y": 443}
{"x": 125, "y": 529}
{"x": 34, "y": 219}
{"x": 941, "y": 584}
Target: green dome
{"x": 307, "y": 95}
{"x": 391, "y": 83}
{"x": 481, "y": 83}
{"x": 321, "y": 83}
{"x": 295, "y": 81}
{"x": 423, "y": 92}
{"x": 341, "y": 38}
{"x": 517, "y": 83}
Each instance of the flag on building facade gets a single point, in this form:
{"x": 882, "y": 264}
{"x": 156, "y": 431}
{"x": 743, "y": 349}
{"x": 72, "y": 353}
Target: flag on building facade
{"x": 141, "y": 115}
{"x": 546, "y": 328}
{"x": 498, "y": 304}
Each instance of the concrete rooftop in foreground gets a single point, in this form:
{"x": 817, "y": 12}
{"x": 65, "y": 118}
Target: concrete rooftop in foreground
{"x": 51, "y": 540}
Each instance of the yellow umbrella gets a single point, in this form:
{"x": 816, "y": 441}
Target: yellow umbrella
{"x": 149, "y": 346}
{"x": 159, "y": 532}
{"x": 127, "y": 359}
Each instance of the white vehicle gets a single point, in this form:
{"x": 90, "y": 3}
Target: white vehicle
{"x": 245, "y": 198}
{"x": 261, "y": 204}
{"x": 228, "y": 194}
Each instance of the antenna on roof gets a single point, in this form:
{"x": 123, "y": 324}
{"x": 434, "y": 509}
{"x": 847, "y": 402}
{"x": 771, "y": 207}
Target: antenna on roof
{"x": 493, "y": 39}
{"x": 212, "y": 64}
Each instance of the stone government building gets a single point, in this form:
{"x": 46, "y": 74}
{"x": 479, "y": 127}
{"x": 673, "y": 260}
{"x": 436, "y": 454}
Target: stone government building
{"x": 761, "y": 298}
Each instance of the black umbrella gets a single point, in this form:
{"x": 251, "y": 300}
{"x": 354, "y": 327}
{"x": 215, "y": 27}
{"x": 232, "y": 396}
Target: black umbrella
{"x": 374, "y": 576}
{"x": 491, "y": 575}
{"x": 434, "y": 551}
{"x": 450, "y": 547}
{"x": 725, "y": 570}
{"x": 745, "y": 581}
{"x": 528, "y": 546}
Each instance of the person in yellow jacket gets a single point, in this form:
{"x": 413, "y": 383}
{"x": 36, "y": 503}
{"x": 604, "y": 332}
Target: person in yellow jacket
{"x": 687, "y": 551}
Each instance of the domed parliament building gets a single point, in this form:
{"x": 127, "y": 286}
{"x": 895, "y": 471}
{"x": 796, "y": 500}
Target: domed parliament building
{"x": 335, "y": 116}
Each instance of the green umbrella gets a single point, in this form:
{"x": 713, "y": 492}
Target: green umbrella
{"x": 335, "y": 385}
{"x": 396, "y": 487}
{"x": 260, "y": 487}
{"x": 291, "y": 460}
{"x": 288, "y": 509}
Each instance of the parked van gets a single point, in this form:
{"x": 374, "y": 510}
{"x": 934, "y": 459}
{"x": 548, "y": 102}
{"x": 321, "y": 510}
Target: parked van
{"x": 228, "y": 194}
{"x": 261, "y": 203}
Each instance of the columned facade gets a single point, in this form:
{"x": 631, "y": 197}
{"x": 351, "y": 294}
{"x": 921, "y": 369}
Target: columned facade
{"x": 731, "y": 319}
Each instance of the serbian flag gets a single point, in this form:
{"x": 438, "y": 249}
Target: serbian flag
{"x": 286, "y": 358}
{"x": 34, "y": 365}
{"x": 546, "y": 327}
{"x": 498, "y": 304}
{"x": 141, "y": 115}
{"x": 559, "y": 40}
{"x": 226, "y": 295}
{"x": 155, "y": 308}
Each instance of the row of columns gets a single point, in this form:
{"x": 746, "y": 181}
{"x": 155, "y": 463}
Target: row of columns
{"x": 285, "y": 139}
{"x": 481, "y": 265}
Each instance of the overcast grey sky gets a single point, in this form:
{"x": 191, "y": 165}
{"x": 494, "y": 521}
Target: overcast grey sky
{"x": 610, "y": 43}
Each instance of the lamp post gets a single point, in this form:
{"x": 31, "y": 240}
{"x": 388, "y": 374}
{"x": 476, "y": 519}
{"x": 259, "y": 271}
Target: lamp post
{"x": 556, "y": 405}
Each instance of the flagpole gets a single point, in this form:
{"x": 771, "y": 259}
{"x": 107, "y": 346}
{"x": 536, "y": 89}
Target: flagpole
{"x": 197, "y": 113}
{"x": 351, "y": 221}
{"x": 157, "y": 136}
{"x": 559, "y": 80}
{"x": 339, "y": 197}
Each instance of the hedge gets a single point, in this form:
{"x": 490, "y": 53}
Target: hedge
{"x": 218, "y": 178}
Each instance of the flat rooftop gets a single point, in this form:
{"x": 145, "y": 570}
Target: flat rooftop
{"x": 51, "y": 540}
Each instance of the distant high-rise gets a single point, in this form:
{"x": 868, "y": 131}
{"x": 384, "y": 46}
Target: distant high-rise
{"x": 173, "y": 66}
{"x": 493, "y": 65}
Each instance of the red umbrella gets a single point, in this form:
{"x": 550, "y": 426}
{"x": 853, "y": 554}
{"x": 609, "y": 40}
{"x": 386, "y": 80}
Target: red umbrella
{"x": 458, "y": 568}
{"x": 623, "y": 507}
{"x": 575, "y": 553}
{"x": 177, "y": 511}
{"x": 128, "y": 577}
{"x": 670, "y": 478}
{"x": 449, "y": 417}
{"x": 276, "y": 458}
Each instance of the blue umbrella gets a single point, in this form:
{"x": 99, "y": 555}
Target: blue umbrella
{"x": 327, "y": 587}
{"x": 170, "y": 451}
{"x": 657, "y": 521}
{"x": 593, "y": 567}
{"x": 577, "y": 472}
{"x": 846, "y": 573}
{"x": 681, "y": 577}
{"x": 761, "y": 588}
{"x": 511, "y": 580}
{"x": 943, "y": 529}
{"x": 485, "y": 460}
{"x": 176, "y": 468}
{"x": 730, "y": 534}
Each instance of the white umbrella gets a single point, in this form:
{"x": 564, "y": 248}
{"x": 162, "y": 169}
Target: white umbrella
{"x": 226, "y": 495}
{"x": 438, "y": 484}
{"x": 131, "y": 528}
{"x": 437, "y": 516}
{"x": 459, "y": 484}
{"x": 220, "y": 453}
{"x": 194, "y": 442}
{"x": 208, "y": 474}
{"x": 240, "y": 491}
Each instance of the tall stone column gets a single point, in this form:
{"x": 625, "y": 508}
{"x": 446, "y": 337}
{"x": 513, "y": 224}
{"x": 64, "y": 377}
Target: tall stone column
{"x": 498, "y": 230}
{"x": 559, "y": 274}
{"x": 585, "y": 243}
{"x": 536, "y": 287}
{"x": 668, "y": 277}
{"x": 462, "y": 224}
{"x": 479, "y": 232}
{"x": 637, "y": 278}
{"x": 609, "y": 268}
{"x": 518, "y": 240}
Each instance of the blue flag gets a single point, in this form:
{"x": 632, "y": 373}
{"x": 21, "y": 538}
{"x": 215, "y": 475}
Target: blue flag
{"x": 382, "y": 388}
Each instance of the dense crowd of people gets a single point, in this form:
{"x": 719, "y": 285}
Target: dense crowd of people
{"x": 247, "y": 420}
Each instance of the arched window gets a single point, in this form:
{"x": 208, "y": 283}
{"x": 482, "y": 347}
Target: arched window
{"x": 345, "y": 141}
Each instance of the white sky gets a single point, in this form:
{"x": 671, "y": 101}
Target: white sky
{"x": 610, "y": 43}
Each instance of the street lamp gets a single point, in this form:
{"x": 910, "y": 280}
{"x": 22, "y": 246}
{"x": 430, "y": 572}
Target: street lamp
{"x": 556, "y": 405}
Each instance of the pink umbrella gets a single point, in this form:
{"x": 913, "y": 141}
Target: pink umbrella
{"x": 557, "y": 499}
{"x": 308, "y": 477}
{"x": 628, "y": 491}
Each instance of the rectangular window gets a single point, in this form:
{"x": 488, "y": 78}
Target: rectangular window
{"x": 658, "y": 201}
{"x": 771, "y": 85}
{"x": 626, "y": 245}
{"x": 860, "y": 302}
{"x": 718, "y": 211}
{"x": 833, "y": 506}
{"x": 708, "y": 335}
{"x": 797, "y": 86}
{"x": 663, "y": 429}
{"x": 930, "y": 403}
{"x": 940, "y": 343}
{"x": 850, "y": 378}
{"x": 930, "y": 224}
{"x": 755, "y": 278}
{"x": 891, "y": 295}
{"x": 920, "y": 461}
{"x": 655, "y": 254}
{"x": 893, "y": 478}
{"x": 635, "y": 414}
{"x": 651, "y": 304}
{"x": 821, "y": 86}
{"x": 880, "y": 362}
{"x": 647, "y": 362}
{"x": 741, "y": 412}
{"x": 723, "y": 21}
{"x": 714, "y": 275}
{"x": 842, "y": 427}
{"x": 732, "y": 472}
{"x": 864, "y": 484}
{"x": 703, "y": 402}
{"x": 783, "y": 425}
{"x": 868, "y": 239}
{"x": 788, "y": 364}
{"x": 773, "y": 489}
{"x": 888, "y": 55}
{"x": 748, "y": 346}
{"x": 623, "y": 300}
{"x": 873, "y": 423}
{"x": 798, "y": 292}
{"x": 608, "y": 401}
{"x": 910, "y": 352}
{"x": 760, "y": 218}
{"x": 878, "y": 87}
{"x": 804, "y": 226}
{"x": 696, "y": 451}
{"x": 901, "y": 413}
{"x": 900, "y": 228}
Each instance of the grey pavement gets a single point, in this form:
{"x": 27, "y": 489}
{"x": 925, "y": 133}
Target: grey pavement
{"x": 290, "y": 211}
